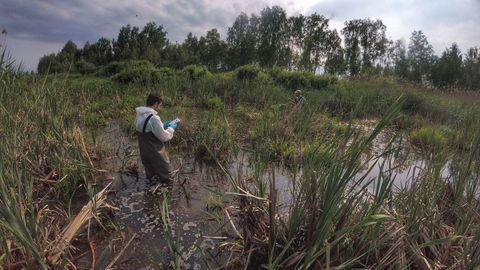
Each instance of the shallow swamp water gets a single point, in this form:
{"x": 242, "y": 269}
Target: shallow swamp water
{"x": 196, "y": 201}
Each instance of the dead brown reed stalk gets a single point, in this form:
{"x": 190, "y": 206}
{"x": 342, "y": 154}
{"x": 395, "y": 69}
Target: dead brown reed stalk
{"x": 78, "y": 138}
{"x": 89, "y": 211}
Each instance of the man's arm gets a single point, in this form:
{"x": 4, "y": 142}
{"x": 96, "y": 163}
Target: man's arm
{"x": 162, "y": 134}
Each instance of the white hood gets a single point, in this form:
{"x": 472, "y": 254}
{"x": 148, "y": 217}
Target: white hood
{"x": 155, "y": 125}
{"x": 142, "y": 114}
{"x": 142, "y": 110}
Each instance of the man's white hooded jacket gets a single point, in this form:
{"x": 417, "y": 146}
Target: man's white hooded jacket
{"x": 154, "y": 125}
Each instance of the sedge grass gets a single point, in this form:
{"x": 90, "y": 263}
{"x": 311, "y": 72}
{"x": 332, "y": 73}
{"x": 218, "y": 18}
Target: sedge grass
{"x": 44, "y": 160}
{"x": 336, "y": 222}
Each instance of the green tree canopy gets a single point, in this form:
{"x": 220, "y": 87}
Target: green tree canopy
{"x": 365, "y": 43}
{"x": 273, "y": 38}
{"x": 242, "y": 41}
{"x": 212, "y": 50}
{"x": 447, "y": 71}
{"x": 420, "y": 55}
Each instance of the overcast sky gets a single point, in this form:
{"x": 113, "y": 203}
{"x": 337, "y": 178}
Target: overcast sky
{"x": 38, "y": 27}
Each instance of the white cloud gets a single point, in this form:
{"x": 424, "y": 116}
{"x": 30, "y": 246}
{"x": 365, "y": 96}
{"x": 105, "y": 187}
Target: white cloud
{"x": 37, "y": 27}
{"x": 442, "y": 21}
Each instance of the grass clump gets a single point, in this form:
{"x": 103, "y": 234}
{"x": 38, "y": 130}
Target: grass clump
{"x": 335, "y": 216}
{"x": 214, "y": 140}
{"x": 340, "y": 219}
{"x": 45, "y": 162}
{"x": 215, "y": 103}
{"x": 429, "y": 139}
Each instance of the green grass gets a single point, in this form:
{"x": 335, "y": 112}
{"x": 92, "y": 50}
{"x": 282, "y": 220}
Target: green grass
{"x": 336, "y": 222}
{"x": 430, "y": 140}
{"x": 49, "y": 125}
{"x": 45, "y": 160}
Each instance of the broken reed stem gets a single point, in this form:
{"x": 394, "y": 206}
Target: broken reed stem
{"x": 110, "y": 265}
{"x": 79, "y": 137}
{"x": 248, "y": 259}
{"x": 232, "y": 224}
{"x": 88, "y": 212}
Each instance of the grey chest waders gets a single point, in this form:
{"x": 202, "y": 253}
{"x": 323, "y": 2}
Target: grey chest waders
{"x": 153, "y": 156}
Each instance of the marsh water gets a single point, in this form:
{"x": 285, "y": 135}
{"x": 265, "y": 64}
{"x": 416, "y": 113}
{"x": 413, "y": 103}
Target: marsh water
{"x": 197, "y": 200}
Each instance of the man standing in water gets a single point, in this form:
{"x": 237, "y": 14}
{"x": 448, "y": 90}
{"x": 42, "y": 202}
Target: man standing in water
{"x": 151, "y": 136}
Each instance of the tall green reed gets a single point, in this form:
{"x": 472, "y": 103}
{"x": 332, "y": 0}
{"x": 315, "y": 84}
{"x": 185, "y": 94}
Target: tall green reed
{"x": 44, "y": 159}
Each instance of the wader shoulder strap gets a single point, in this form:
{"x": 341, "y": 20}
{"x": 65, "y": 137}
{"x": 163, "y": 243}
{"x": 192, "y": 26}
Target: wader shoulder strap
{"x": 146, "y": 122}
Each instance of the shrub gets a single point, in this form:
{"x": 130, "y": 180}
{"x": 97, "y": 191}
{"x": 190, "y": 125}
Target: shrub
{"x": 341, "y": 101}
{"x": 275, "y": 72}
{"x": 194, "y": 72}
{"x": 84, "y": 67}
{"x": 112, "y": 68}
{"x": 294, "y": 80}
{"x": 247, "y": 72}
{"x": 301, "y": 79}
{"x": 117, "y": 67}
{"x": 141, "y": 75}
{"x": 316, "y": 155}
{"x": 164, "y": 73}
{"x": 407, "y": 122}
{"x": 322, "y": 81}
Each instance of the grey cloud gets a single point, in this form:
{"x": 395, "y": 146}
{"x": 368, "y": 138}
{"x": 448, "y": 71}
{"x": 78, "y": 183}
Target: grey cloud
{"x": 443, "y": 21}
{"x": 56, "y": 21}
{"x": 82, "y": 20}
{"x": 53, "y": 22}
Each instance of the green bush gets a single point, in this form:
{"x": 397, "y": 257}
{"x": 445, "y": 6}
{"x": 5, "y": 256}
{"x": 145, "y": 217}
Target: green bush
{"x": 112, "y": 68}
{"x": 165, "y": 73}
{"x": 294, "y": 80}
{"x": 301, "y": 79}
{"x": 247, "y": 72}
{"x": 407, "y": 122}
{"x": 322, "y": 81}
{"x": 117, "y": 67}
{"x": 141, "y": 75}
{"x": 316, "y": 155}
{"x": 194, "y": 72}
{"x": 84, "y": 67}
{"x": 275, "y": 72}
{"x": 341, "y": 101}
{"x": 138, "y": 72}
{"x": 214, "y": 141}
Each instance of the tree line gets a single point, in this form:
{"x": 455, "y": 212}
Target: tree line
{"x": 271, "y": 38}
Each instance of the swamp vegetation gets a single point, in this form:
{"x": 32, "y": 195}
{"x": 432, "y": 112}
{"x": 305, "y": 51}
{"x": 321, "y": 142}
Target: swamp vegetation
{"x": 54, "y": 168}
